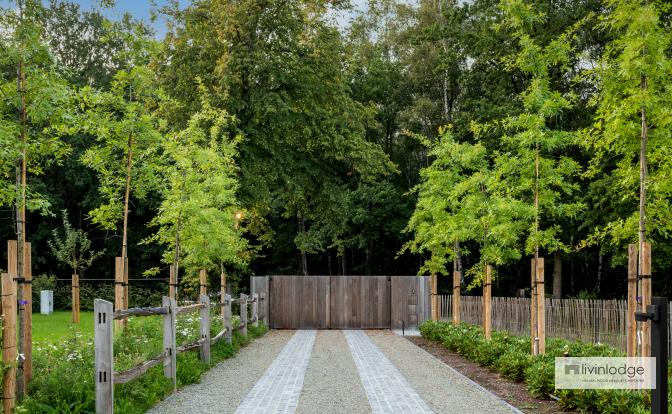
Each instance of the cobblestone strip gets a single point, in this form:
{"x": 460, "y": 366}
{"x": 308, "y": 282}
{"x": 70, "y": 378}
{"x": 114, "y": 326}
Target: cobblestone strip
{"x": 278, "y": 390}
{"x": 386, "y": 388}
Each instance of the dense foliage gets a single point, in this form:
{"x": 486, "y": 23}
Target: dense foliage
{"x": 270, "y": 137}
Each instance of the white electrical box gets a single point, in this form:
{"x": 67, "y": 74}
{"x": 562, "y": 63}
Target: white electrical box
{"x": 46, "y": 302}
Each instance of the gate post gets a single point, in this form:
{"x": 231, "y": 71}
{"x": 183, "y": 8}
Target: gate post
{"x": 102, "y": 313}
{"x": 205, "y": 328}
{"x": 657, "y": 313}
{"x": 255, "y": 309}
{"x": 227, "y": 318}
{"x": 169, "y": 341}
{"x": 243, "y": 314}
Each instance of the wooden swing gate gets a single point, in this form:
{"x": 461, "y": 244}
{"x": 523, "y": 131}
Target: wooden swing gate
{"x": 344, "y": 302}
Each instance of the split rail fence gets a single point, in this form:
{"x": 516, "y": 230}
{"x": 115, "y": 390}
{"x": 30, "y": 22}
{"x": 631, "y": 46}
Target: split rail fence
{"x": 588, "y": 320}
{"x": 104, "y": 315}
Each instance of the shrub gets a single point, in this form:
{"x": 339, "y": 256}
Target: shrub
{"x": 510, "y": 356}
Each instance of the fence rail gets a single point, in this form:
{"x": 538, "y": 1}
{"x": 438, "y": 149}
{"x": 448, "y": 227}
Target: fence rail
{"x": 105, "y": 375}
{"x": 588, "y": 320}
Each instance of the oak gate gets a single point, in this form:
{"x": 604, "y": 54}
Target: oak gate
{"x": 344, "y": 302}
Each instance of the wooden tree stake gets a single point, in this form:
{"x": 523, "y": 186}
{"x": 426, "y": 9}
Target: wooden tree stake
{"x": 632, "y": 301}
{"x": 645, "y": 275}
{"x": 534, "y": 328}
{"x": 456, "y": 297}
{"x": 434, "y": 298}
{"x": 9, "y": 350}
{"x": 487, "y": 302}
{"x": 172, "y": 287}
{"x": 119, "y": 289}
{"x": 541, "y": 308}
{"x": 203, "y": 281}
{"x": 75, "y": 298}
{"x": 28, "y": 318}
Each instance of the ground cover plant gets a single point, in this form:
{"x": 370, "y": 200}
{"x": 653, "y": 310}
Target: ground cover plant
{"x": 510, "y": 355}
{"x": 63, "y": 381}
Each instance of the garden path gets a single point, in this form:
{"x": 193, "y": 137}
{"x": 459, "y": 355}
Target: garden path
{"x": 333, "y": 372}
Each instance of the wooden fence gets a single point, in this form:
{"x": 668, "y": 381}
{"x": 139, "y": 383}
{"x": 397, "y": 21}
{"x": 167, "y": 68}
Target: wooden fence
{"x": 104, "y": 315}
{"x": 588, "y": 320}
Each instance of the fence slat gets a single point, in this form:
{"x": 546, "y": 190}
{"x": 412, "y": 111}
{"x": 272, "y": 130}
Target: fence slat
{"x": 205, "y": 328}
{"x": 104, "y": 356}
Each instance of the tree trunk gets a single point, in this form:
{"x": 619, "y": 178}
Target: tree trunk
{"x": 329, "y": 261}
{"x": 343, "y": 264}
{"x": 643, "y": 175}
{"x": 598, "y": 286}
{"x": 304, "y": 258}
{"x": 557, "y": 275}
{"x": 21, "y": 223}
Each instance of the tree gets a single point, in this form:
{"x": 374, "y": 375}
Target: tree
{"x": 73, "y": 247}
{"x": 197, "y": 219}
{"x": 127, "y": 135}
{"x": 35, "y": 111}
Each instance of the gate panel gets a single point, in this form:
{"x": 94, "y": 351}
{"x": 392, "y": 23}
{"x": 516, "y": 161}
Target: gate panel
{"x": 346, "y": 302}
{"x": 409, "y": 304}
{"x": 314, "y": 300}
{"x": 285, "y": 302}
{"x": 375, "y": 302}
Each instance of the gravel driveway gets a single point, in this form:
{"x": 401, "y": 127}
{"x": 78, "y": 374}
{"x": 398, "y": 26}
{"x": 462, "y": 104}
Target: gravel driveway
{"x": 330, "y": 371}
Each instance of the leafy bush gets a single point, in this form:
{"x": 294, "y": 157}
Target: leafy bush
{"x": 510, "y": 356}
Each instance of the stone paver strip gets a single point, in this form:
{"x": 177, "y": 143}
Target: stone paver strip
{"x": 278, "y": 390}
{"x": 332, "y": 383}
{"x": 386, "y": 388}
{"x": 224, "y": 386}
{"x": 443, "y": 388}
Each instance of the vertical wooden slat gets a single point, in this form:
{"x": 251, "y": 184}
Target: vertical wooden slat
{"x": 632, "y": 300}
{"x": 534, "y": 328}
{"x": 75, "y": 298}
{"x": 645, "y": 274}
{"x": 203, "y": 282}
{"x": 541, "y": 308}
{"x": 205, "y": 328}
{"x": 456, "y": 297}
{"x": 126, "y": 272}
{"x": 102, "y": 312}
{"x": 169, "y": 340}
{"x": 172, "y": 283}
{"x": 487, "y": 304}
{"x": 118, "y": 289}
{"x": 243, "y": 314}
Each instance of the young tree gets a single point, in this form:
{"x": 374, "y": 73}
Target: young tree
{"x": 35, "y": 111}
{"x": 73, "y": 247}
{"x": 127, "y": 136}
{"x": 198, "y": 217}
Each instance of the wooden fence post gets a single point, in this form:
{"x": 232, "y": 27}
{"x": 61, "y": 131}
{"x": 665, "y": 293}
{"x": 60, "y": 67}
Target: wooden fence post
{"x": 118, "y": 289}
{"x": 28, "y": 317}
{"x": 456, "y": 297}
{"x": 205, "y": 328}
{"x": 262, "y": 307}
{"x": 172, "y": 286}
{"x": 255, "y": 309}
{"x": 645, "y": 275}
{"x": 534, "y": 328}
{"x": 434, "y": 299}
{"x": 9, "y": 341}
{"x": 632, "y": 301}
{"x": 203, "y": 282}
{"x": 227, "y": 318}
{"x": 222, "y": 288}
{"x": 487, "y": 301}
{"x": 169, "y": 341}
{"x": 75, "y": 298}
{"x": 541, "y": 308}
{"x": 102, "y": 312}
{"x": 243, "y": 314}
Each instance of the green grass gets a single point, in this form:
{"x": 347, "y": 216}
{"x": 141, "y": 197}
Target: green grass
{"x": 57, "y": 326}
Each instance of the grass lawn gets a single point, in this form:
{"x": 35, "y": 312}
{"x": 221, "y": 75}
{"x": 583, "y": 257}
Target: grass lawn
{"x": 51, "y": 328}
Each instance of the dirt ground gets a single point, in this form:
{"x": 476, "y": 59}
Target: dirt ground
{"x": 515, "y": 393}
